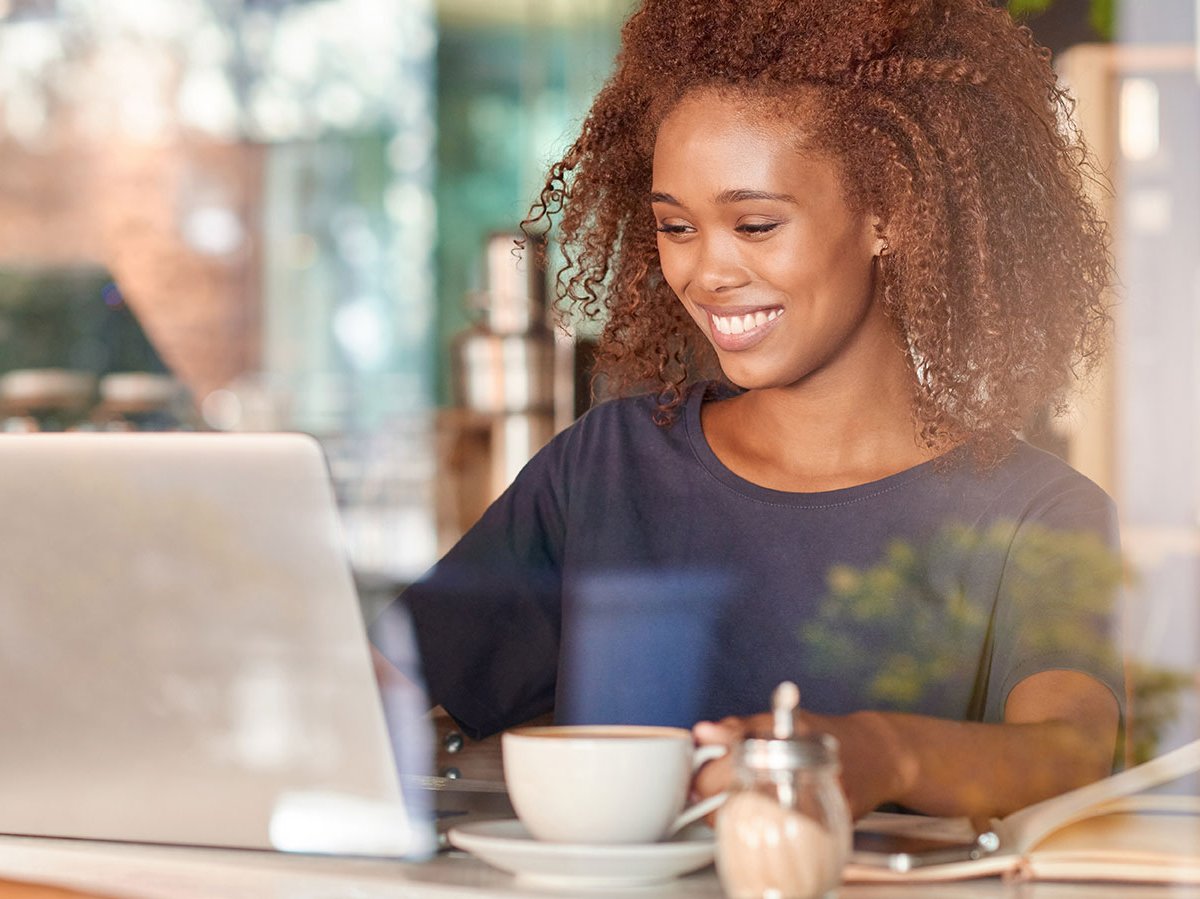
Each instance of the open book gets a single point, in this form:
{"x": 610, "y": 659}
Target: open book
{"x": 1105, "y": 831}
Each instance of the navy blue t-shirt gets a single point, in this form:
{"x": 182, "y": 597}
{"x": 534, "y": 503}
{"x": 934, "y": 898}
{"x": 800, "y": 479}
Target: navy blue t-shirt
{"x": 628, "y": 576}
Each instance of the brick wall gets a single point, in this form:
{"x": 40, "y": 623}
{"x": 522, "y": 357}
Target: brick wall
{"x": 123, "y": 206}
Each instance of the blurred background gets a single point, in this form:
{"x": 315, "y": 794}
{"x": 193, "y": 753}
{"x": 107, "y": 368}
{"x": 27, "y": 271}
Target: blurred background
{"x": 299, "y": 214}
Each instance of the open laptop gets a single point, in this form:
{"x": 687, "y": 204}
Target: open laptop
{"x": 182, "y": 649}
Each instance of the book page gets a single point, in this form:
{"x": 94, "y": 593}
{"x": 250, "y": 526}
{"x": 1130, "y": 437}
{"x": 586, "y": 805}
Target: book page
{"x": 1025, "y": 829}
{"x": 1123, "y": 845}
{"x": 1136, "y": 837}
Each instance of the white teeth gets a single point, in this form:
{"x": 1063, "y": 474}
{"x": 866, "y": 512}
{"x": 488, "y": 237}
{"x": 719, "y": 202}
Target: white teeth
{"x": 740, "y": 324}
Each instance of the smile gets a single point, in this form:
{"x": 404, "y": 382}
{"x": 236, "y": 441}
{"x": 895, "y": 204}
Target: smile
{"x": 743, "y": 324}
{"x": 741, "y": 329}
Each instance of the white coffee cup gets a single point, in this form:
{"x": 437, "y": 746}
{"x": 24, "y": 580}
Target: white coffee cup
{"x": 604, "y": 783}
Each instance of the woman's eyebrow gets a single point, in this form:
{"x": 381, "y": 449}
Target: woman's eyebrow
{"x": 740, "y": 195}
{"x": 743, "y": 194}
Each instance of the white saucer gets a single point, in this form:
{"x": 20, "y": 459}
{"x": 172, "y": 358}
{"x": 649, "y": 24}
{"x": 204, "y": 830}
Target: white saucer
{"x": 508, "y": 846}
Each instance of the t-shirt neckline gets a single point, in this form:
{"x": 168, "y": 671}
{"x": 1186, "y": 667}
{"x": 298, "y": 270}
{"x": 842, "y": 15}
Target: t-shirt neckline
{"x": 824, "y": 498}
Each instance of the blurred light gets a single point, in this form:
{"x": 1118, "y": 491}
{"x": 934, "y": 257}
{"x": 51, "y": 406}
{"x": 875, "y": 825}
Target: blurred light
{"x": 1139, "y": 119}
{"x": 294, "y": 51}
{"x": 410, "y": 206}
{"x": 362, "y": 331}
{"x": 111, "y": 294}
{"x": 340, "y": 105}
{"x": 25, "y": 116}
{"x": 133, "y": 77}
{"x": 213, "y": 230}
{"x": 347, "y": 217}
{"x": 303, "y": 67}
{"x": 142, "y": 118}
{"x": 423, "y": 38}
{"x": 358, "y": 244}
{"x": 155, "y": 21}
{"x": 207, "y": 102}
{"x": 221, "y": 410}
{"x": 409, "y": 151}
{"x": 31, "y": 45}
{"x": 276, "y": 112}
{"x": 1149, "y": 211}
{"x": 304, "y": 250}
{"x": 212, "y": 45}
{"x": 342, "y": 824}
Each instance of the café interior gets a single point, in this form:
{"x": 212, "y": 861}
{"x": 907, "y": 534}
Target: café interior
{"x": 246, "y": 216}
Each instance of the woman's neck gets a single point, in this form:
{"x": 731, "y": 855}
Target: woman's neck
{"x": 831, "y": 430}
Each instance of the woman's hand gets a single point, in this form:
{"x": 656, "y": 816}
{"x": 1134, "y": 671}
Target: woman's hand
{"x": 1059, "y": 731}
{"x": 870, "y": 773}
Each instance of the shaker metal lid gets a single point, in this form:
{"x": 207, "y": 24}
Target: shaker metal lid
{"x": 805, "y": 751}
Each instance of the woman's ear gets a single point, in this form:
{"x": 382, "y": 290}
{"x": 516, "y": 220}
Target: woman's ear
{"x": 881, "y": 247}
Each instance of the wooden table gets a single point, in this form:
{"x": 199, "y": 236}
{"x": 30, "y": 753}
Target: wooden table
{"x": 133, "y": 871}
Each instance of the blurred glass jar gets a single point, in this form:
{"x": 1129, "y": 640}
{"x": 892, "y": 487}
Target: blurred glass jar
{"x": 499, "y": 374}
{"x": 504, "y": 362}
{"x": 785, "y": 832}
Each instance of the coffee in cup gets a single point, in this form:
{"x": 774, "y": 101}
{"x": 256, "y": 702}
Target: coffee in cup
{"x": 604, "y": 783}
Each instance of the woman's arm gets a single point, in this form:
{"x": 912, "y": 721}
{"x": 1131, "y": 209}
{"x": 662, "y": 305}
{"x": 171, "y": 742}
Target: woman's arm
{"x": 1059, "y": 732}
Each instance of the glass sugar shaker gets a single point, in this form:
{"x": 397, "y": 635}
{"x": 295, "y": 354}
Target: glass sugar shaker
{"x": 785, "y": 831}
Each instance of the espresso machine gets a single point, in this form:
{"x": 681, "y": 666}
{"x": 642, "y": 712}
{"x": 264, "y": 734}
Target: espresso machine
{"x": 514, "y": 381}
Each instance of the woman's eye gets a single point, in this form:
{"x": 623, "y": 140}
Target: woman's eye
{"x": 673, "y": 229}
{"x": 757, "y": 227}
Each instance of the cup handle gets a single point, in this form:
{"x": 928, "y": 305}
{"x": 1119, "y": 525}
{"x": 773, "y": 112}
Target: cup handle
{"x": 707, "y": 754}
{"x": 695, "y": 812}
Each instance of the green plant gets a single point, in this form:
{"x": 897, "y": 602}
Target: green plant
{"x": 1158, "y": 695}
{"x": 1102, "y": 14}
{"x": 897, "y": 626}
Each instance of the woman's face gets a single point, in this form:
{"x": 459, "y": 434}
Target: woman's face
{"x": 757, "y": 240}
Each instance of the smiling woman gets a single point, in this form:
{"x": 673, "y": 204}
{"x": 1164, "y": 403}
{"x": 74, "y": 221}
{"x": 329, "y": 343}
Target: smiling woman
{"x": 841, "y": 252}
{"x": 942, "y": 119}
{"x": 757, "y": 239}
{"x": 746, "y": 258}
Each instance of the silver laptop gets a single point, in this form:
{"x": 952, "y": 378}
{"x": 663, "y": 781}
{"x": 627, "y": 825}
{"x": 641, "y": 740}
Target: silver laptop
{"x": 181, "y": 645}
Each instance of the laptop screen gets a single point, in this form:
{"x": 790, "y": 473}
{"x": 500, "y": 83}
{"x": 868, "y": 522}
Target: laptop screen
{"x": 183, "y": 644}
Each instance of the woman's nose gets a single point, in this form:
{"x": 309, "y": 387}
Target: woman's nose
{"x": 718, "y": 267}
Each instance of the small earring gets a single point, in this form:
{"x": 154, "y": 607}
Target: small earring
{"x": 886, "y": 249}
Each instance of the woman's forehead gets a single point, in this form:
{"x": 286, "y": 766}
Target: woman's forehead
{"x": 733, "y": 141}
{"x": 794, "y": 115}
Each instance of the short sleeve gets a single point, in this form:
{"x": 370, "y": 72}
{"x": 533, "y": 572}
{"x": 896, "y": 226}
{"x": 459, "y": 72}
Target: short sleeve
{"x": 1057, "y": 602}
{"x": 487, "y": 617}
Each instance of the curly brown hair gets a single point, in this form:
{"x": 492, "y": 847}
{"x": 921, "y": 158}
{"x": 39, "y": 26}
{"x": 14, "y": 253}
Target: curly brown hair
{"x": 948, "y": 123}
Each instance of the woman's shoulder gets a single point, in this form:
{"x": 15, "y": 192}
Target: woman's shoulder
{"x": 636, "y": 409}
{"x": 1043, "y": 471}
{"x": 1031, "y": 483}
{"x": 623, "y": 434}
{"x": 636, "y": 416}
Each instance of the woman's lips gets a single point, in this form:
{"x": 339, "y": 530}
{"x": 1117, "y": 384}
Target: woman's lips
{"x": 740, "y": 328}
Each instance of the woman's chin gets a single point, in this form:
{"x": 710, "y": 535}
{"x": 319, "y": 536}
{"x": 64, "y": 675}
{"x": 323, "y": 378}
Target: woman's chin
{"x": 753, "y": 377}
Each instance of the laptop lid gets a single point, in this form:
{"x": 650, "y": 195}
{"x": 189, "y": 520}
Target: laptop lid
{"x": 182, "y": 643}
